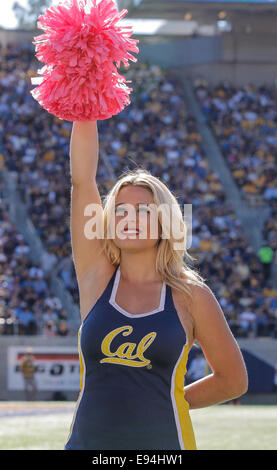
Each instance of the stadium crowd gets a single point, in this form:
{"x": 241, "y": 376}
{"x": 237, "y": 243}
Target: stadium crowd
{"x": 244, "y": 121}
{"x": 155, "y": 131}
{"x": 26, "y": 304}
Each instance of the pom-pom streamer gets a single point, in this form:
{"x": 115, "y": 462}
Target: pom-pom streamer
{"x": 82, "y": 47}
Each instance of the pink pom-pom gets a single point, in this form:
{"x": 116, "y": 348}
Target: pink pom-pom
{"x": 80, "y": 81}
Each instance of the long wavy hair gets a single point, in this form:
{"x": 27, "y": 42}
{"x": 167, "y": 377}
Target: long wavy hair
{"x": 171, "y": 263}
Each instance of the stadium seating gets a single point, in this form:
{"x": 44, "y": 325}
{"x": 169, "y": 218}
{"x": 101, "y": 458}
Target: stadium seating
{"x": 154, "y": 131}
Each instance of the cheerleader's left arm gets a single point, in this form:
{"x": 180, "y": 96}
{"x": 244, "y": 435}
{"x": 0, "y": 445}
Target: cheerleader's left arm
{"x": 229, "y": 377}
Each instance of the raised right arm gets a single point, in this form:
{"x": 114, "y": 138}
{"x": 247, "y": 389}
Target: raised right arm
{"x": 84, "y": 149}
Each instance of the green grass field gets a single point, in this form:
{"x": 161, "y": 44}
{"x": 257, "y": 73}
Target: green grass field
{"x": 45, "y": 426}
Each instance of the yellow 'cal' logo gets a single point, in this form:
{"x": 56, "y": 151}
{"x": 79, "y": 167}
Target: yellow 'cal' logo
{"x": 125, "y": 353}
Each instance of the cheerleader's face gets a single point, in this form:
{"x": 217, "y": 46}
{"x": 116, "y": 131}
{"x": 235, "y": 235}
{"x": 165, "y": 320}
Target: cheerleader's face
{"x": 136, "y": 221}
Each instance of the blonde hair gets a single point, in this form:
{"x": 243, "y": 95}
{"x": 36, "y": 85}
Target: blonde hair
{"x": 171, "y": 263}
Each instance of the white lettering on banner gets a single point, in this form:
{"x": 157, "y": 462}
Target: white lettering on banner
{"x": 56, "y": 367}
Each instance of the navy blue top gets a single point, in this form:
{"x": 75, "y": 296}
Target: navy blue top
{"x": 132, "y": 369}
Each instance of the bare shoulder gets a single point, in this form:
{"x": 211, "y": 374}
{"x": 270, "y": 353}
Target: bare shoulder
{"x": 191, "y": 310}
{"x": 93, "y": 284}
{"x": 202, "y": 297}
{"x": 201, "y": 292}
{"x": 208, "y": 316}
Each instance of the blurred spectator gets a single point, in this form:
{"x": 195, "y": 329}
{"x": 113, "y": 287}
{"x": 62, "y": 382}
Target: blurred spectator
{"x": 27, "y": 367}
{"x": 48, "y": 261}
{"x": 62, "y": 329}
{"x": 49, "y": 329}
{"x": 266, "y": 255}
{"x": 248, "y": 322}
{"x": 26, "y": 321}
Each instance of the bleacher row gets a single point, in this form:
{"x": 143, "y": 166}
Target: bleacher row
{"x": 244, "y": 121}
{"x": 155, "y": 131}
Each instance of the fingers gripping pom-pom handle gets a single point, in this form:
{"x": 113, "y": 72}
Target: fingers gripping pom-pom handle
{"x": 82, "y": 45}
